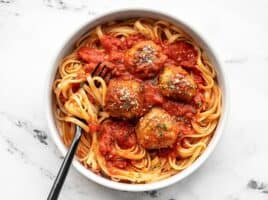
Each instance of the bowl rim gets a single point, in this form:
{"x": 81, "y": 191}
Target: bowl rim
{"x": 221, "y": 75}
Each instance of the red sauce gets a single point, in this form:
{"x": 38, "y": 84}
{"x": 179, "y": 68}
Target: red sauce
{"x": 93, "y": 127}
{"x": 179, "y": 109}
{"x": 106, "y": 141}
{"x": 181, "y": 52}
{"x": 62, "y": 99}
{"x": 185, "y": 129}
{"x": 75, "y": 87}
{"x": 114, "y": 54}
{"x": 164, "y": 152}
{"x": 110, "y": 43}
{"x": 199, "y": 99}
{"x": 124, "y": 134}
{"x": 89, "y": 55}
{"x": 117, "y": 47}
{"x": 118, "y": 162}
{"x": 116, "y": 57}
{"x": 196, "y": 74}
{"x": 120, "y": 132}
{"x": 133, "y": 39}
{"x": 89, "y": 67}
{"x": 152, "y": 95}
{"x": 92, "y": 99}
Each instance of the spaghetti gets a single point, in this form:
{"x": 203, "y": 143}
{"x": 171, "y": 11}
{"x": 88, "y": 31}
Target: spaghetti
{"x": 157, "y": 113}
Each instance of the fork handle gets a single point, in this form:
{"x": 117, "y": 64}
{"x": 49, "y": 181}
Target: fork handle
{"x": 56, "y": 188}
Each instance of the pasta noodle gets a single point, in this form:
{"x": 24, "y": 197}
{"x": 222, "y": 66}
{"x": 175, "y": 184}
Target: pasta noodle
{"x": 81, "y": 100}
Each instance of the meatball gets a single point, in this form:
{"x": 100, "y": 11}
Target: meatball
{"x": 176, "y": 83}
{"x": 124, "y": 99}
{"x": 145, "y": 59}
{"x": 157, "y": 129}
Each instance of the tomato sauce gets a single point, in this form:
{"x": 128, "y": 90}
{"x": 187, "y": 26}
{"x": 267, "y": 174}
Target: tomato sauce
{"x": 89, "y": 67}
{"x": 152, "y": 95}
{"x": 164, "y": 152}
{"x": 179, "y": 53}
{"x": 197, "y": 77}
{"x": 116, "y": 57}
{"x": 182, "y": 52}
{"x": 89, "y": 55}
{"x": 118, "y": 162}
{"x": 179, "y": 109}
{"x": 75, "y": 87}
{"x": 111, "y": 43}
{"x": 122, "y": 132}
{"x": 92, "y": 99}
{"x": 185, "y": 129}
{"x": 62, "y": 99}
{"x": 93, "y": 127}
{"x": 199, "y": 99}
{"x": 133, "y": 39}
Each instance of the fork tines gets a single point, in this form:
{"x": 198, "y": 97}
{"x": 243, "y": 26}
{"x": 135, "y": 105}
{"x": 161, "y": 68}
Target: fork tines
{"x": 102, "y": 71}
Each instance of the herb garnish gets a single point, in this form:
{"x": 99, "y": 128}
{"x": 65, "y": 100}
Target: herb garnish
{"x": 161, "y": 127}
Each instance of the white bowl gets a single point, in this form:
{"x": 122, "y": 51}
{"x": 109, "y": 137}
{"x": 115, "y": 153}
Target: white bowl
{"x": 122, "y": 14}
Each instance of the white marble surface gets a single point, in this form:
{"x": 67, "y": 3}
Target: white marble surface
{"x": 30, "y": 32}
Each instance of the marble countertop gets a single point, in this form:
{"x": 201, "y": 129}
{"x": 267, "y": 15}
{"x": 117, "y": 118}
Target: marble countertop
{"x": 30, "y": 32}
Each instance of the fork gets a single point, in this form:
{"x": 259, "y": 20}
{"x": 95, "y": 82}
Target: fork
{"x": 99, "y": 70}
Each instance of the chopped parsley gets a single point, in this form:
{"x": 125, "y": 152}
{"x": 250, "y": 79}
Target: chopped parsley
{"x": 126, "y": 105}
{"x": 161, "y": 127}
{"x": 160, "y": 133}
{"x": 199, "y": 104}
